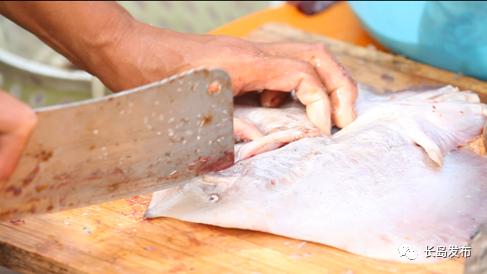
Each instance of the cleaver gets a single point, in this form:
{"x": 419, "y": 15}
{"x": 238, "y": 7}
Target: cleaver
{"x": 137, "y": 141}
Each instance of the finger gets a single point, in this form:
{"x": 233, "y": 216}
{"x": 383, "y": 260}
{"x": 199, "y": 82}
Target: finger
{"x": 289, "y": 74}
{"x": 17, "y": 121}
{"x": 272, "y": 98}
{"x": 341, "y": 88}
{"x": 10, "y": 151}
{"x": 317, "y": 106}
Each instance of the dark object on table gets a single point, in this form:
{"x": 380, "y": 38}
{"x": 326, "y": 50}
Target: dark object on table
{"x": 312, "y": 7}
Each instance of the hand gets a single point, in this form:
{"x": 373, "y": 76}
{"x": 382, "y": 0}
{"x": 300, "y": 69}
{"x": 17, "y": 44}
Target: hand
{"x": 147, "y": 54}
{"x": 102, "y": 38}
{"x": 17, "y": 121}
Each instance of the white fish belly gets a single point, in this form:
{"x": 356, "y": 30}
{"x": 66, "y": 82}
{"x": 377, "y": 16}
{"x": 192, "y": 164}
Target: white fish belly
{"x": 389, "y": 186}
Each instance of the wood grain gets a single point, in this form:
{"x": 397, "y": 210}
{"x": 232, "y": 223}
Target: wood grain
{"x": 114, "y": 238}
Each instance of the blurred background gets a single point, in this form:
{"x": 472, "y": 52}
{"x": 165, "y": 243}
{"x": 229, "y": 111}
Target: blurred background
{"x": 446, "y": 34}
{"x": 38, "y": 75}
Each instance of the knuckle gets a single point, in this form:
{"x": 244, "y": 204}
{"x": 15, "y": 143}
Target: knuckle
{"x": 304, "y": 68}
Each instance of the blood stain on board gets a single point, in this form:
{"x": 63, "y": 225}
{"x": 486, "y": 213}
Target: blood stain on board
{"x": 17, "y": 221}
{"x": 31, "y": 176}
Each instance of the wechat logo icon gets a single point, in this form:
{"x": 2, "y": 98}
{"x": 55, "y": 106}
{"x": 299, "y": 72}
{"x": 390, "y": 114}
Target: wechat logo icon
{"x": 407, "y": 252}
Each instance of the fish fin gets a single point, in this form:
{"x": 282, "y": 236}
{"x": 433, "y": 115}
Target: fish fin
{"x": 439, "y": 120}
{"x": 418, "y": 135}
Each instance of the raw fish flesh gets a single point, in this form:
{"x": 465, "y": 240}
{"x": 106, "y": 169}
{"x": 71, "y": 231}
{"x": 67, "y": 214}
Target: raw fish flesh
{"x": 391, "y": 185}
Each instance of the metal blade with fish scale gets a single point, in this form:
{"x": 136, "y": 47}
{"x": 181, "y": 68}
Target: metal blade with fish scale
{"x": 132, "y": 142}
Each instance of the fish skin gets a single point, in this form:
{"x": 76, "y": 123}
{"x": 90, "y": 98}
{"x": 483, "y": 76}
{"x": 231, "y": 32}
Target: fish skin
{"x": 394, "y": 179}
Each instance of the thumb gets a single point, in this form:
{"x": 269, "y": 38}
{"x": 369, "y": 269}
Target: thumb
{"x": 17, "y": 121}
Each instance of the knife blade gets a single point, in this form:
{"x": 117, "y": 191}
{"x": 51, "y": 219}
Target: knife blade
{"x": 137, "y": 141}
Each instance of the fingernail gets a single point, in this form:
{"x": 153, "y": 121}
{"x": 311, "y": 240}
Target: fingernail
{"x": 342, "y": 116}
{"x": 343, "y": 107}
{"x": 319, "y": 115}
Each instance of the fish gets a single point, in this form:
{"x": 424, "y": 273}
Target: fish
{"x": 397, "y": 184}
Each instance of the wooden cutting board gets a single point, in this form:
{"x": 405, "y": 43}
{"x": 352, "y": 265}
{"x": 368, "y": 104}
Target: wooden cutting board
{"x": 114, "y": 238}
